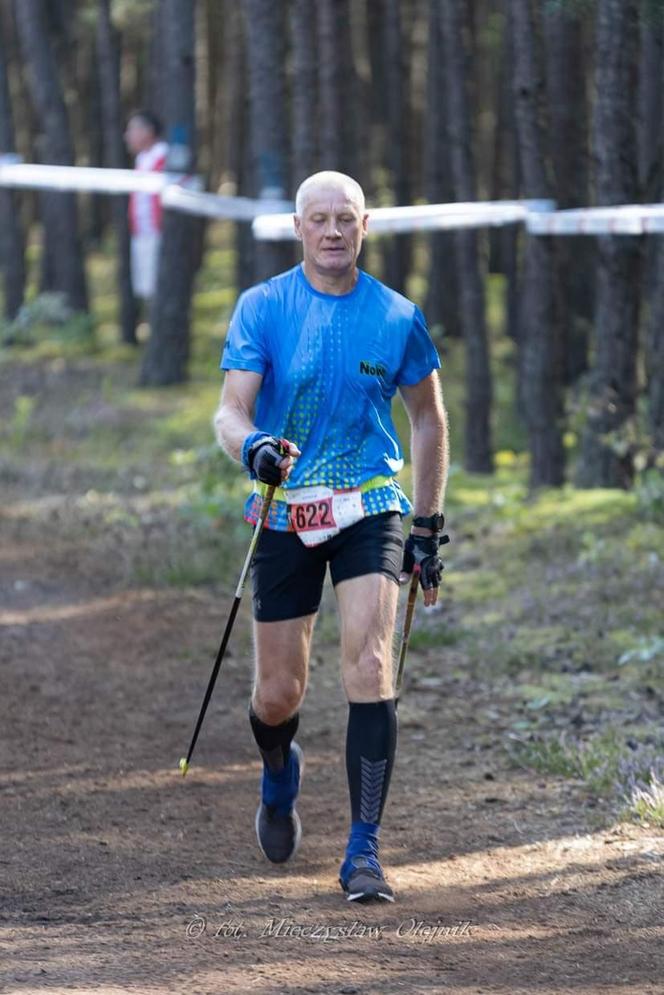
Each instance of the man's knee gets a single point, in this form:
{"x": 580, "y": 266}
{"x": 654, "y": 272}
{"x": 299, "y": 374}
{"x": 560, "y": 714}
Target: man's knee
{"x": 276, "y": 700}
{"x": 368, "y": 677}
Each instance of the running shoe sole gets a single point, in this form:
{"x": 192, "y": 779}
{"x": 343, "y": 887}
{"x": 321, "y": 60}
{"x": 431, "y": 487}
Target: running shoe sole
{"x": 365, "y": 886}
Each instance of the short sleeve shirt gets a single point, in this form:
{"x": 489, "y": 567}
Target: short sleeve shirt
{"x": 331, "y": 366}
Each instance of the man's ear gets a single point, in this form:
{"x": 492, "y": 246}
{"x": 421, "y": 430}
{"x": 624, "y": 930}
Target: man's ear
{"x": 365, "y": 225}
{"x": 298, "y": 227}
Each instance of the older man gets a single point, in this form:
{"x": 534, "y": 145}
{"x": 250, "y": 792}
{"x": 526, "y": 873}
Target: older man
{"x": 314, "y": 356}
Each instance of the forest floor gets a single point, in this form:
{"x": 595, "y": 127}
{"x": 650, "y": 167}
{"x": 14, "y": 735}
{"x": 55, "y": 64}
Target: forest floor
{"x": 533, "y": 699}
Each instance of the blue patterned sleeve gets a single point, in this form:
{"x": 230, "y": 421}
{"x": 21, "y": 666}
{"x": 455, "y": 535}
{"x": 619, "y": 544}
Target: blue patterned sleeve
{"x": 245, "y": 346}
{"x": 420, "y": 356}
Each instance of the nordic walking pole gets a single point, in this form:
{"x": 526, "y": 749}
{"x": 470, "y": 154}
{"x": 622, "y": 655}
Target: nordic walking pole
{"x": 267, "y": 501}
{"x": 405, "y": 636}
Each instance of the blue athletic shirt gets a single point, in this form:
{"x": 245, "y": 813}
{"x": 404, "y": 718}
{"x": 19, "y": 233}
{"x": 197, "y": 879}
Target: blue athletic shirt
{"x": 331, "y": 366}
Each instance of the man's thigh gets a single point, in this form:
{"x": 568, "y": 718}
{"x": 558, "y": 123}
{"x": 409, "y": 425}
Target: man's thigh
{"x": 282, "y": 655}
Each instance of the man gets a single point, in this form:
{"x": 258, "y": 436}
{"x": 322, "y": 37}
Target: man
{"x": 313, "y": 357}
{"x": 142, "y": 138}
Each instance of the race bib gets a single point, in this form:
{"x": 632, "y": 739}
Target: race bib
{"x": 319, "y": 513}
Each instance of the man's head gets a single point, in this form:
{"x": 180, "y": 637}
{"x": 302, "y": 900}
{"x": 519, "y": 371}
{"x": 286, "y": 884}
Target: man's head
{"x": 331, "y": 221}
{"x": 143, "y": 130}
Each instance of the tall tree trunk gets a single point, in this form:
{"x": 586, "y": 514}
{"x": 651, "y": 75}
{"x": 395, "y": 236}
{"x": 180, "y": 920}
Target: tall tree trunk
{"x": 651, "y": 101}
{"x": 12, "y": 240}
{"x": 651, "y": 181}
{"x": 268, "y": 128}
{"x": 608, "y": 462}
{"x": 339, "y": 148}
{"x": 108, "y": 54}
{"x": 167, "y": 352}
{"x": 61, "y": 216}
{"x": 568, "y": 110}
{"x": 540, "y": 360}
{"x": 304, "y": 96}
{"x": 655, "y": 348}
{"x": 396, "y": 44}
{"x": 238, "y": 139}
{"x": 442, "y": 300}
{"x": 478, "y": 450}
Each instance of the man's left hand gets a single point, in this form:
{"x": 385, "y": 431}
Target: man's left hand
{"x": 421, "y": 555}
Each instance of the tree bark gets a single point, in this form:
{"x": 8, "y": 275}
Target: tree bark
{"x": 304, "y": 96}
{"x": 651, "y": 181}
{"x": 396, "y": 45}
{"x": 167, "y": 352}
{"x": 61, "y": 214}
{"x": 606, "y": 457}
{"x": 478, "y": 450}
{"x": 568, "y": 109}
{"x": 442, "y": 300}
{"x": 108, "y": 54}
{"x": 337, "y": 85}
{"x": 268, "y": 126}
{"x": 12, "y": 239}
{"x": 540, "y": 360}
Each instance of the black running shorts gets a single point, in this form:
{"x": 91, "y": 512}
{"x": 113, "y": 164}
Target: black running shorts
{"x": 288, "y": 576}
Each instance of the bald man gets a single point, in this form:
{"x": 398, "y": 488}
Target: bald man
{"x": 313, "y": 358}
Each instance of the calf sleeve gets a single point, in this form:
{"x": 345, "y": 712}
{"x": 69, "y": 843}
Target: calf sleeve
{"x": 274, "y": 741}
{"x": 370, "y": 747}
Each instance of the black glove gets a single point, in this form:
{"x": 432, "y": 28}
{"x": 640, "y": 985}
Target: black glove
{"x": 264, "y": 458}
{"x": 422, "y": 552}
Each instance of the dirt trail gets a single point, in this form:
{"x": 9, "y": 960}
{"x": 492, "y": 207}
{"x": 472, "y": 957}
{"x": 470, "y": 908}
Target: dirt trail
{"x": 119, "y": 875}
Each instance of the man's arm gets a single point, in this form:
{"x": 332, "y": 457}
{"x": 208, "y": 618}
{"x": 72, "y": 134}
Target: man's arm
{"x": 429, "y": 449}
{"x": 429, "y": 446}
{"x": 233, "y": 420}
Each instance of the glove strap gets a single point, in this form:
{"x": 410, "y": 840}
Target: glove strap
{"x": 248, "y": 445}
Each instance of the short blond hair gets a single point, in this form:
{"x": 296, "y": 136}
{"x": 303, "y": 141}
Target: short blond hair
{"x": 329, "y": 178}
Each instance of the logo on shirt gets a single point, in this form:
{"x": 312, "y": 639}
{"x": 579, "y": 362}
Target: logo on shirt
{"x": 372, "y": 369}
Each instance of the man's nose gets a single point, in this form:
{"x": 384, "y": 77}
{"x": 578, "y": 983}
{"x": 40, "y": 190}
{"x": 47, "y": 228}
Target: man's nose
{"x": 332, "y": 229}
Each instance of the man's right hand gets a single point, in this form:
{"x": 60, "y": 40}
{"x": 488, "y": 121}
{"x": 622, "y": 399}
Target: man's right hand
{"x": 271, "y": 459}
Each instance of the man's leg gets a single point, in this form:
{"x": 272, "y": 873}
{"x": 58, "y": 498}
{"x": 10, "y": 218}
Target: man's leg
{"x": 367, "y": 606}
{"x": 287, "y": 585}
{"x": 282, "y": 657}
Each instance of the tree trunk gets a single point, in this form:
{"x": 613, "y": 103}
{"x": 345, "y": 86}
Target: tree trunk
{"x": 540, "y": 360}
{"x": 167, "y": 353}
{"x": 478, "y": 450}
{"x": 12, "y": 240}
{"x": 108, "y": 54}
{"x": 396, "y": 45}
{"x": 651, "y": 181}
{"x": 655, "y": 348}
{"x": 339, "y": 147}
{"x": 304, "y": 96}
{"x": 61, "y": 215}
{"x": 268, "y": 127}
{"x": 442, "y": 300}
{"x": 568, "y": 109}
{"x": 606, "y": 458}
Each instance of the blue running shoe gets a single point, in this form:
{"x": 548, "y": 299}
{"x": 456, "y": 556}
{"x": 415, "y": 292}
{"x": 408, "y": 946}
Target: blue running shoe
{"x": 361, "y": 875}
{"x": 278, "y": 827}
{"x": 362, "y": 878}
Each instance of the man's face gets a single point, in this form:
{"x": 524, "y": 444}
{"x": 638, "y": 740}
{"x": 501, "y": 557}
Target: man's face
{"x": 331, "y": 228}
{"x": 139, "y": 136}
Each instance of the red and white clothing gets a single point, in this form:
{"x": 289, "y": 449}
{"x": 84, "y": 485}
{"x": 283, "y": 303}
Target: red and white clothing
{"x": 145, "y": 222}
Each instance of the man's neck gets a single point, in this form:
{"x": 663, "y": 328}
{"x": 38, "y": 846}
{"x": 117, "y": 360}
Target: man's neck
{"x": 336, "y": 284}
